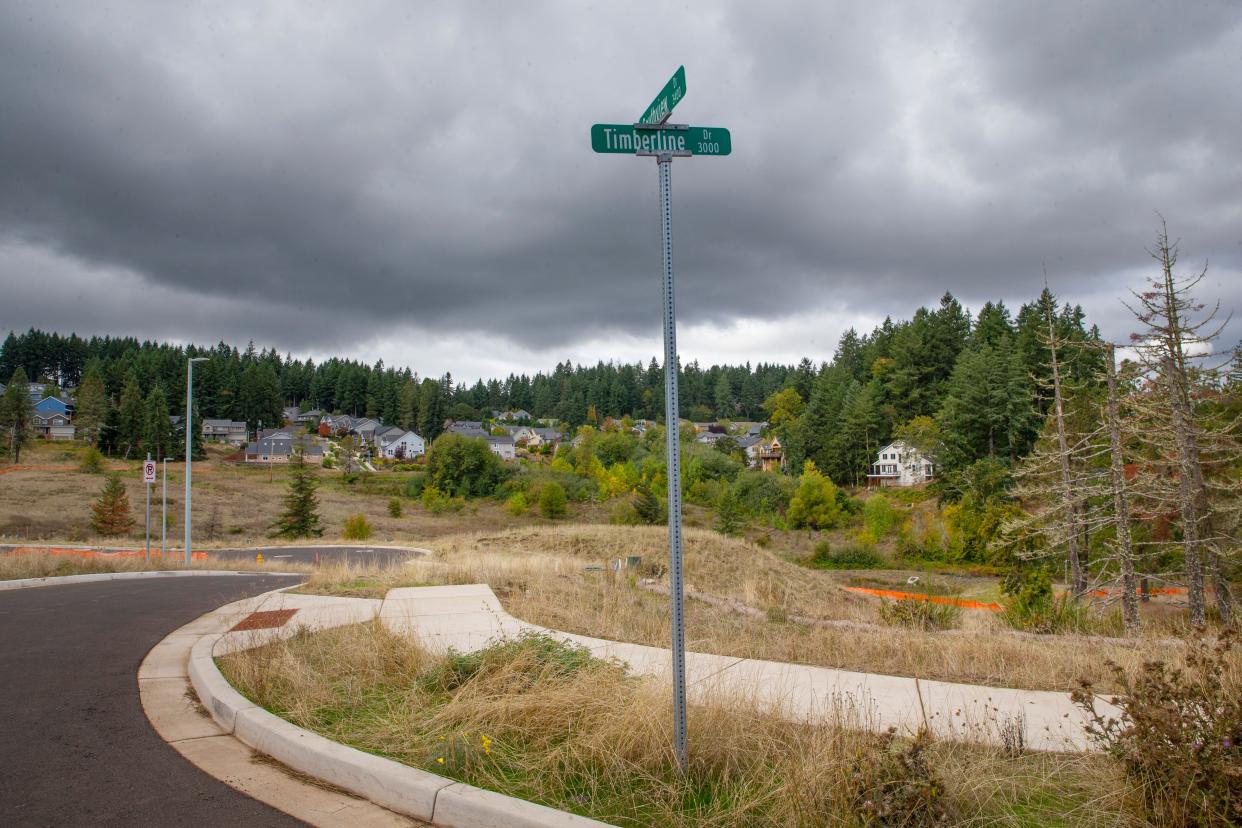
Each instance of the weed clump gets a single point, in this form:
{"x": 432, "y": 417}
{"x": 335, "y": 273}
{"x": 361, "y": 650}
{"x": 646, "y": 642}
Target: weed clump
{"x": 528, "y": 659}
{"x": 849, "y": 557}
{"x": 357, "y": 527}
{"x": 1179, "y": 734}
{"x": 918, "y": 614}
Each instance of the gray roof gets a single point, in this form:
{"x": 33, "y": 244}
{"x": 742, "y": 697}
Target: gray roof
{"x": 280, "y": 447}
{"x": 469, "y": 432}
{"x": 224, "y": 423}
{"x": 548, "y": 433}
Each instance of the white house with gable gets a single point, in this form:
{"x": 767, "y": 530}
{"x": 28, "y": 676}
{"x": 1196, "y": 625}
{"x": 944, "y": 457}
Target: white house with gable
{"x": 401, "y": 445}
{"x": 898, "y": 464}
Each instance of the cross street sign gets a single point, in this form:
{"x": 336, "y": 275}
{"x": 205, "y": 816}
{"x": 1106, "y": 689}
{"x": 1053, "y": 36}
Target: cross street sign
{"x": 148, "y": 471}
{"x": 632, "y": 140}
{"x": 662, "y": 106}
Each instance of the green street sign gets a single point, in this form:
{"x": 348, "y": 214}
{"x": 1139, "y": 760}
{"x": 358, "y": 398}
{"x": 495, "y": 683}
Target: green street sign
{"x": 663, "y": 104}
{"x": 628, "y": 139}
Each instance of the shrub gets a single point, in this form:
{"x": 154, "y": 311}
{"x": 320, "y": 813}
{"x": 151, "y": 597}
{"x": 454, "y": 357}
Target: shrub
{"x": 918, "y": 614}
{"x": 516, "y": 505}
{"x": 815, "y": 504}
{"x": 624, "y": 514}
{"x": 649, "y": 508}
{"x": 552, "y": 501}
{"x": 851, "y": 557}
{"x": 889, "y": 785}
{"x": 464, "y": 466}
{"x": 437, "y": 502}
{"x": 1179, "y": 735}
{"x": 357, "y": 527}
{"x": 1035, "y": 609}
{"x": 729, "y": 514}
{"x": 761, "y": 493}
{"x": 92, "y": 461}
{"x": 414, "y": 486}
{"x": 878, "y": 515}
{"x": 394, "y": 507}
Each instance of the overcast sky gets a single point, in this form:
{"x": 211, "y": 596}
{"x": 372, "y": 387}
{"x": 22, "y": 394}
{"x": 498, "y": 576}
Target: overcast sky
{"x": 414, "y": 181}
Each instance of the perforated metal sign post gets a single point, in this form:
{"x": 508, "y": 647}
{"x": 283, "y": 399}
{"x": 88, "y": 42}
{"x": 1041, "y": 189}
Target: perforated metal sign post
{"x": 148, "y": 477}
{"x": 652, "y": 136}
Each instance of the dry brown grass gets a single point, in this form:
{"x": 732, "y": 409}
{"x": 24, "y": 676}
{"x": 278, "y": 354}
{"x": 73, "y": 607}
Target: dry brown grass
{"x": 539, "y": 575}
{"x": 588, "y": 739}
{"x": 37, "y": 565}
{"x": 234, "y": 505}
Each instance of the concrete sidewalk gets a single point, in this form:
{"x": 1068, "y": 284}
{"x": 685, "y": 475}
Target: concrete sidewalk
{"x": 467, "y": 617}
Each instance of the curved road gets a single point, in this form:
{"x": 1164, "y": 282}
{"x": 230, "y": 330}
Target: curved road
{"x": 75, "y": 745}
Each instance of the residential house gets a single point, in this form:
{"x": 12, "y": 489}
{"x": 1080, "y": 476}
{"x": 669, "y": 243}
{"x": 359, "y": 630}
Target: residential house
{"x": 279, "y": 450}
{"x": 53, "y": 426}
{"x": 309, "y": 417}
{"x": 756, "y": 429}
{"x": 770, "y": 455}
{"x": 708, "y": 437}
{"x": 225, "y": 431}
{"x": 338, "y": 424}
{"x": 52, "y": 405}
{"x": 520, "y": 415}
{"x": 545, "y": 437}
{"x": 520, "y": 433}
{"x": 364, "y": 429}
{"x": 502, "y": 446}
{"x": 749, "y": 444}
{"x": 899, "y": 464}
{"x": 400, "y": 444}
{"x": 291, "y": 414}
{"x": 466, "y": 428}
{"x": 276, "y": 433}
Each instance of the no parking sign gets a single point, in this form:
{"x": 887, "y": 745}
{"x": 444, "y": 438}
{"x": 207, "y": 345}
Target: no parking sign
{"x": 148, "y": 471}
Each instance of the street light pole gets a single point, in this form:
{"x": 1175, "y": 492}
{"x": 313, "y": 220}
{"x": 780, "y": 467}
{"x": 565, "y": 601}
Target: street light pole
{"x": 189, "y": 442}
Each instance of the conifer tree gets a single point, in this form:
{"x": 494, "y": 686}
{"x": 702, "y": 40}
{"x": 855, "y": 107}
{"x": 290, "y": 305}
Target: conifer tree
{"x": 17, "y": 414}
{"x": 110, "y": 512}
{"x": 129, "y": 432}
{"x": 92, "y": 404}
{"x": 157, "y": 437}
{"x": 300, "y": 518}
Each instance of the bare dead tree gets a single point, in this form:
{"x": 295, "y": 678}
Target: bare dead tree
{"x": 1175, "y": 340}
{"x": 1121, "y": 504}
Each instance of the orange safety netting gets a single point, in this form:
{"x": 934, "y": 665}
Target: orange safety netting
{"x": 935, "y": 599}
{"x": 98, "y": 553}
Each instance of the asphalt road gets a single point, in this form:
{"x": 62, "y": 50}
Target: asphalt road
{"x": 307, "y": 554}
{"x": 75, "y": 745}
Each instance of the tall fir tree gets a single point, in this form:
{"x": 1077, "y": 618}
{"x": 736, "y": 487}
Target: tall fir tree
{"x": 157, "y": 432}
{"x": 300, "y": 518}
{"x": 92, "y": 404}
{"x": 17, "y": 414}
{"x": 132, "y": 420}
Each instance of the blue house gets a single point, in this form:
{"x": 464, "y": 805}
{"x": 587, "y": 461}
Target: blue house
{"x": 51, "y": 405}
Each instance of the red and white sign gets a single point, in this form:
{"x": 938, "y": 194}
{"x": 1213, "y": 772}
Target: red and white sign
{"x": 148, "y": 471}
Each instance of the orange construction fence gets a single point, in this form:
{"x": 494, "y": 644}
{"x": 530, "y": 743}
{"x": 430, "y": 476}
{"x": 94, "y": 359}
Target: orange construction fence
{"x": 935, "y": 599}
{"x": 99, "y": 553}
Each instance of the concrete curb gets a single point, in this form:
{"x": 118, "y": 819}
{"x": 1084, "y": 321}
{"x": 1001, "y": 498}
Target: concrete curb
{"x": 401, "y": 788}
{"x": 60, "y": 580}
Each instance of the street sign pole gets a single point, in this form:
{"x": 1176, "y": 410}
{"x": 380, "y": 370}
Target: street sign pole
{"x": 652, "y": 135}
{"x": 164, "y": 514}
{"x": 147, "y": 485}
{"x": 672, "y": 421}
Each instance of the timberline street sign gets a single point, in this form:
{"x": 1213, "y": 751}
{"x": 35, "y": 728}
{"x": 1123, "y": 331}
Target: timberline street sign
{"x": 631, "y": 139}
{"x": 662, "y": 106}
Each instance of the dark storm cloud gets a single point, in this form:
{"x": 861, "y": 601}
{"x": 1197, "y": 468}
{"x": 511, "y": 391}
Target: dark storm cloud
{"x": 314, "y": 178}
